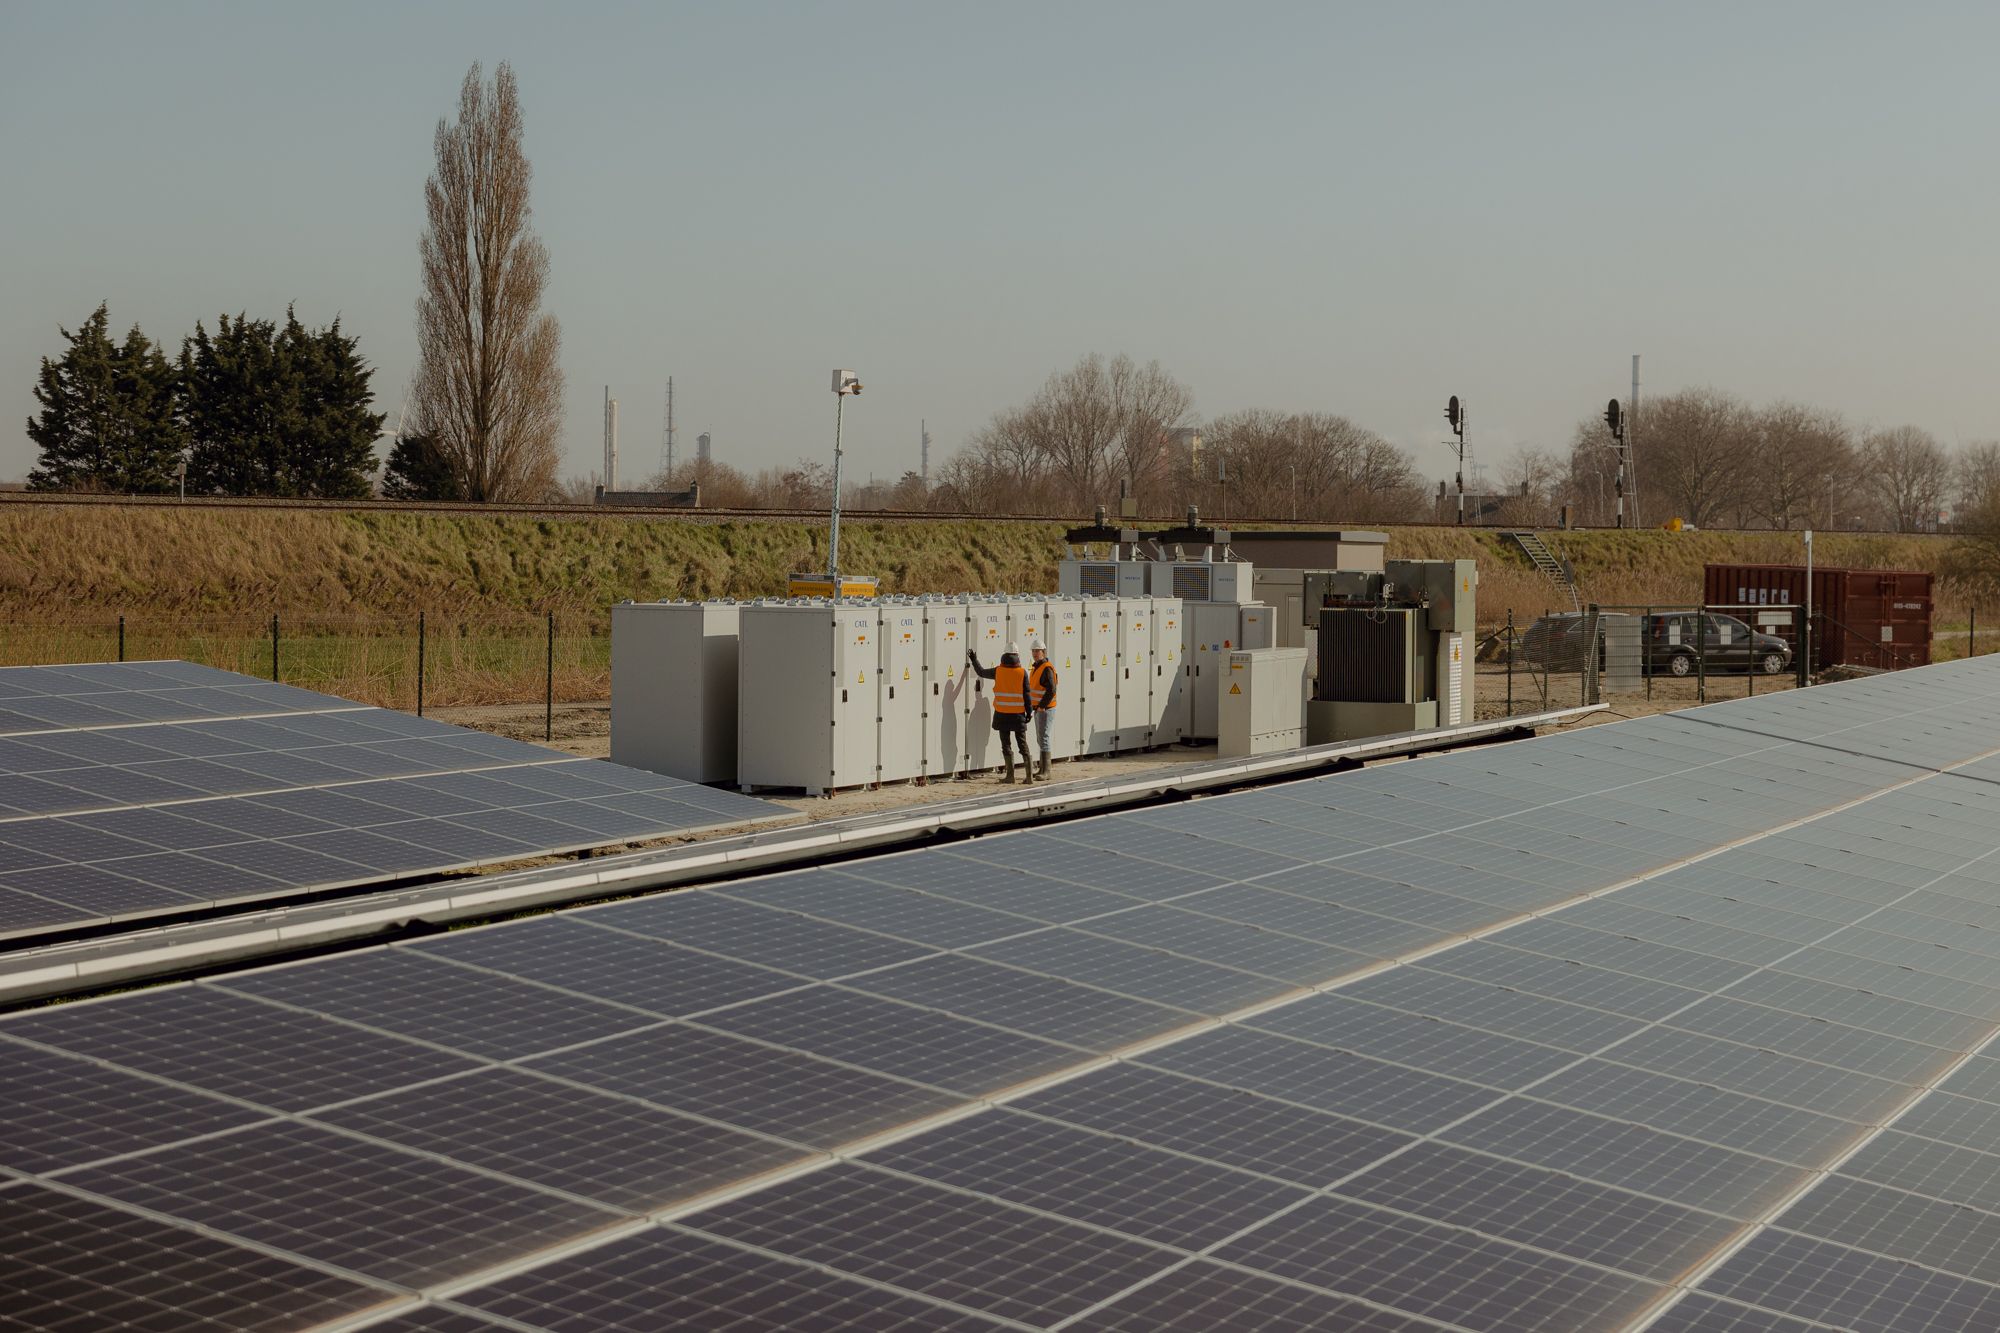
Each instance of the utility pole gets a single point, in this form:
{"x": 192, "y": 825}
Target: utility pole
{"x": 1632, "y": 441}
{"x": 1454, "y": 412}
{"x": 1614, "y": 419}
{"x": 924, "y": 456}
{"x": 845, "y": 383}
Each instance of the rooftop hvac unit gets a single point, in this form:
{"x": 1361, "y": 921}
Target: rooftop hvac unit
{"x": 1202, "y": 581}
{"x": 1101, "y": 578}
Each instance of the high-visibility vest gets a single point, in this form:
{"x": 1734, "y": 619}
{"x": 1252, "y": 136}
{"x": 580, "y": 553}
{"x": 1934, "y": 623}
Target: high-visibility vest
{"x": 1010, "y": 689}
{"x": 1037, "y": 690}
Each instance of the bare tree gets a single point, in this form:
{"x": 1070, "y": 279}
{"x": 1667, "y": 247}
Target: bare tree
{"x": 1086, "y": 429}
{"x": 489, "y": 383}
{"x": 1695, "y": 443}
{"x": 1534, "y": 480}
{"x": 1978, "y": 474}
{"x": 1910, "y": 474}
{"x": 1800, "y": 468}
{"x": 1313, "y": 465}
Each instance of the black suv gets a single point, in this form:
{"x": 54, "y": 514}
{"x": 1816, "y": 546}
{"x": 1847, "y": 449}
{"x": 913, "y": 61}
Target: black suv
{"x": 1730, "y": 645}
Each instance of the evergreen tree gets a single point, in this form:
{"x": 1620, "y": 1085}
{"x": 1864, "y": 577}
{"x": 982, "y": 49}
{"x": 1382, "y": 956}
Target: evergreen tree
{"x": 273, "y": 411}
{"x": 108, "y": 419}
{"x": 333, "y": 451}
{"x": 233, "y": 392}
{"x": 419, "y": 470}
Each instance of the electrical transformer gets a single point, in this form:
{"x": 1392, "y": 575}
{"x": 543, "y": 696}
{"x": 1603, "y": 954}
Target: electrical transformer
{"x": 1393, "y": 650}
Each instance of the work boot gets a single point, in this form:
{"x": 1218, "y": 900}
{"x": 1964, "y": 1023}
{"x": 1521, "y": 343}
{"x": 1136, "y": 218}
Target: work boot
{"x": 1027, "y": 767}
{"x": 1010, "y": 769}
{"x": 1045, "y": 765}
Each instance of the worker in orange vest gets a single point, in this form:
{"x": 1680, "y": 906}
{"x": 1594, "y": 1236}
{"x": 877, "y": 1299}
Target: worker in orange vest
{"x": 1041, "y": 699}
{"x": 1010, "y": 705}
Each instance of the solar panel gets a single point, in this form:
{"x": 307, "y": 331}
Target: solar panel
{"x": 1501, "y": 1056}
{"x": 136, "y": 790}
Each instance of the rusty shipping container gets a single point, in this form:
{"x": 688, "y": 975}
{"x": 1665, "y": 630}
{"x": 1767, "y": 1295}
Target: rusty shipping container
{"x": 1861, "y": 617}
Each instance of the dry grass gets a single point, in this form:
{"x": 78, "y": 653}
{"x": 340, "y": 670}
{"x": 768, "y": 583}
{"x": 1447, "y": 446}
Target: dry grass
{"x": 203, "y": 583}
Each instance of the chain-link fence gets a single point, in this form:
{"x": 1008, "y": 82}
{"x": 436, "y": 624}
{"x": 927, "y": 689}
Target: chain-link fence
{"x": 1668, "y": 656}
{"x": 428, "y": 660}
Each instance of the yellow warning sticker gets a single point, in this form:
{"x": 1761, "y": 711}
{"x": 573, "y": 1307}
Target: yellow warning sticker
{"x": 1234, "y": 688}
{"x": 861, "y": 678}
{"x": 906, "y": 673}
{"x": 1104, "y": 661}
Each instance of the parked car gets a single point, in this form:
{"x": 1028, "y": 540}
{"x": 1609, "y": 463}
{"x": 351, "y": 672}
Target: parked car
{"x": 1727, "y": 644}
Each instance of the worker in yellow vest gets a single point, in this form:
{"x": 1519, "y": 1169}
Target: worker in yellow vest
{"x": 1010, "y": 705}
{"x": 1041, "y": 699}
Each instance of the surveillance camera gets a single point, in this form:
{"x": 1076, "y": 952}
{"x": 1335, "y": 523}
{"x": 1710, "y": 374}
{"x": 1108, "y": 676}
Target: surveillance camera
{"x": 846, "y": 381}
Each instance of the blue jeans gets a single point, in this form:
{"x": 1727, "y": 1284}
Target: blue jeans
{"x": 1042, "y": 716}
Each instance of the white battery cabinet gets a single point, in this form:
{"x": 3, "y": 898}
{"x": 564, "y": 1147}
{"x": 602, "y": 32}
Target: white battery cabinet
{"x": 1097, "y": 677}
{"x": 987, "y": 617}
{"x": 806, "y": 681}
{"x": 1170, "y": 682}
{"x": 947, "y": 688}
{"x": 1065, "y": 629}
{"x": 1135, "y": 673}
{"x": 673, "y": 688}
{"x": 900, "y": 696}
{"x": 1027, "y": 623}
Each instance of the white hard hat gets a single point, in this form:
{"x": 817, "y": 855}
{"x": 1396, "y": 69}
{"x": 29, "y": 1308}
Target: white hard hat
{"x": 1035, "y": 645}
{"x": 1014, "y": 648}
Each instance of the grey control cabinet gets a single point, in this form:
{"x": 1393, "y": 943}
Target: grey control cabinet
{"x": 673, "y": 688}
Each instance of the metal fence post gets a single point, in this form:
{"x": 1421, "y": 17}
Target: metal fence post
{"x": 274, "y": 646}
{"x": 121, "y": 638}
{"x": 1592, "y": 640}
{"x": 1510, "y": 661}
{"x": 1701, "y": 654}
{"x": 549, "y": 701}
{"x": 1802, "y": 625}
{"x": 1646, "y": 630}
{"x": 420, "y": 664}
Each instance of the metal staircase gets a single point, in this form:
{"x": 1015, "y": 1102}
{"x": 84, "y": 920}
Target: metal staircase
{"x": 1553, "y": 567}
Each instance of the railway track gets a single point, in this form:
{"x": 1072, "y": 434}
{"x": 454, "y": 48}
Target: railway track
{"x": 721, "y": 515}
{"x": 552, "y": 510}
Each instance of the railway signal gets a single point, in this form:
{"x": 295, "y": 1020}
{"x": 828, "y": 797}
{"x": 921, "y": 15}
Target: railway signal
{"x": 1454, "y": 413}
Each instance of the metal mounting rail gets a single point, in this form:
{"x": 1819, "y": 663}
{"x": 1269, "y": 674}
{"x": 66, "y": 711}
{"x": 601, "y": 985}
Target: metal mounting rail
{"x": 85, "y": 965}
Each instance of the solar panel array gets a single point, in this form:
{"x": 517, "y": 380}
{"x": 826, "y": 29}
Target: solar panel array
{"x": 1679, "y": 1023}
{"x": 132, "y": 790}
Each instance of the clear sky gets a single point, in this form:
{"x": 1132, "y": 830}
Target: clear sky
{"x": 1357, "y": 208}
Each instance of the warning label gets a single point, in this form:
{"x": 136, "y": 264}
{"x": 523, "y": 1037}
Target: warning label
{"x": 1235, "y": 688}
